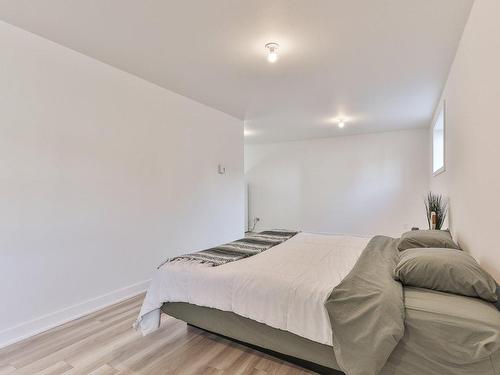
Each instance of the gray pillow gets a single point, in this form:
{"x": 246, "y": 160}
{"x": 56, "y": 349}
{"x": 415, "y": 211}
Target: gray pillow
{"x": 427, "y": 238}
{"x": 446, "y": 270}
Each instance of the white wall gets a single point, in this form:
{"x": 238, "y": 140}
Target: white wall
{"x": 363, "y": 184}
{"x": 102, "y": 176}
{"x": 472, "y": 176}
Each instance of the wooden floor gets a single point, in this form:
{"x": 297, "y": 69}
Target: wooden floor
{"x": 106, "y": 343}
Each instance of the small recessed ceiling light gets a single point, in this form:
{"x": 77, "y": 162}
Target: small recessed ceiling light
{"x": 272, "y": 52}
{"x": 341, "y": 123}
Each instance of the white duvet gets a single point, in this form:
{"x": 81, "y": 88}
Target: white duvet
{"x": 284, "y": 287}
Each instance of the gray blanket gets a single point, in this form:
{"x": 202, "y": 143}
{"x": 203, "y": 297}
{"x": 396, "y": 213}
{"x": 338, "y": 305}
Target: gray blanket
{"x": 367, "y": 310}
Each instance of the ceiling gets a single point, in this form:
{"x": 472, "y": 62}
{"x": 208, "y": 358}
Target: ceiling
{"x": 380, "y": 64}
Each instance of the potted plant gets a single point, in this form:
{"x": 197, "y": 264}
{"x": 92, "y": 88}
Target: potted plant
{"x": 437, "y": 208}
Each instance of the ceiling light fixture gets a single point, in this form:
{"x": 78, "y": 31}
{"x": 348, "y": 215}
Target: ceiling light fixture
{"x": 341, "y": 123}
{"x": 272, "y": 52}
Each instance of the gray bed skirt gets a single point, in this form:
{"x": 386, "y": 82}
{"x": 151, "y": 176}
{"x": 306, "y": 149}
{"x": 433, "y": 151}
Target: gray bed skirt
{"x": 251, "y": 332}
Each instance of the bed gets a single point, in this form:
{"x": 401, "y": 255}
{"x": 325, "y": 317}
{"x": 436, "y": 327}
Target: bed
{"x": 331, "y": 301}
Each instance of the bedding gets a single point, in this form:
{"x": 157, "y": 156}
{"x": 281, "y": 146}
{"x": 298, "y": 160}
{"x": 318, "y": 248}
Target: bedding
{"x": 367, "y": 310}
{"x": 251, "y": 245}
{"x": 408, "y": 331}
{"x": 445, "y": 270}
{"x": 285, "y": 287}
{"x": 427, "y": 238}
{"x": 446, "y": 334}
{"x": 337, "y": 292}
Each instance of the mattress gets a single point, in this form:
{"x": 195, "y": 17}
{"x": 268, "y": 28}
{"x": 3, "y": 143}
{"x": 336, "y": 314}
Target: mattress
{"x": 284, "y": 287}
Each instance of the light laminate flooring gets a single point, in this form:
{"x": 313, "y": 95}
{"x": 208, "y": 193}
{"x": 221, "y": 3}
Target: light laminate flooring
{"x": 105, "y": 343}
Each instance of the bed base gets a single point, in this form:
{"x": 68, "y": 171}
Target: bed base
{"x": 322, "y": 370}
{"x": 281, "y": 344}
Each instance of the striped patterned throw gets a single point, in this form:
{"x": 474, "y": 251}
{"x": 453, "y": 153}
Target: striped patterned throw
{"x": 246, "y": 247}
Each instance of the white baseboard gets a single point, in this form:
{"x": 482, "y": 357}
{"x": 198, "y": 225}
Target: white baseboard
{"x": 46, "y": 322}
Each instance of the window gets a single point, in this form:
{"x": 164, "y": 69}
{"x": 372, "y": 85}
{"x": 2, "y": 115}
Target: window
{"x": 438, "y": 142}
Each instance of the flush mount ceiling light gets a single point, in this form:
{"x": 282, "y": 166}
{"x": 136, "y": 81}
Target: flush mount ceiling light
{"x": 272, "y": 52}
{"x": 341, "y": 123}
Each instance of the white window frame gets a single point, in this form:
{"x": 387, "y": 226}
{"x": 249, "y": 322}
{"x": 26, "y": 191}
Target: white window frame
{"x": 440, "y": 109}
